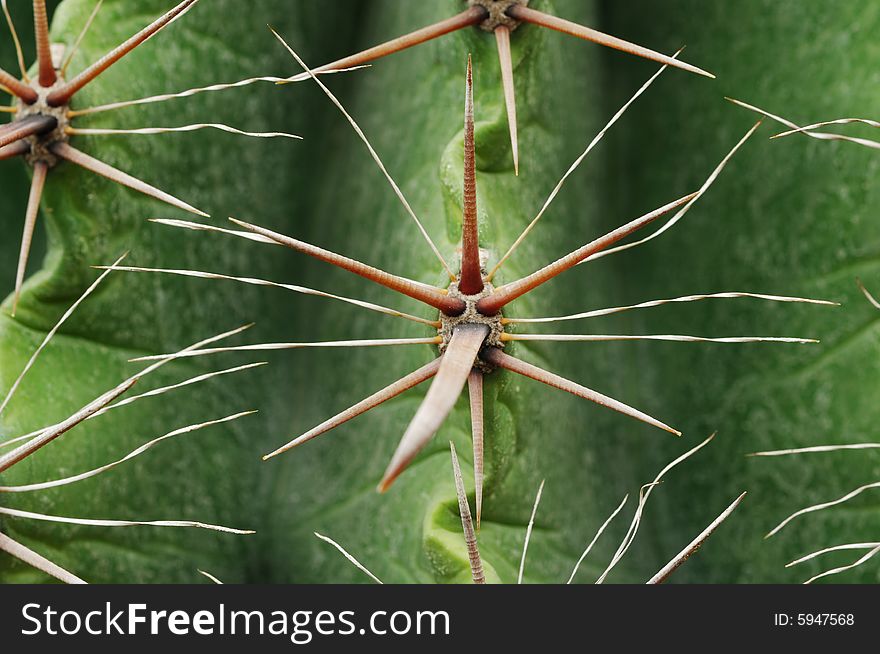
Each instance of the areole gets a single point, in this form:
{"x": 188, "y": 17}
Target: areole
{"x": 42, "y": 142}
{"x": 498, "y": 13}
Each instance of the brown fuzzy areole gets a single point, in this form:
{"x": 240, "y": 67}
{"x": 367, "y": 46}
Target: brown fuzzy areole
{"x": 41, "y": 143}
{"x": 498, "y": 13}
{"x": 472, "y": 317}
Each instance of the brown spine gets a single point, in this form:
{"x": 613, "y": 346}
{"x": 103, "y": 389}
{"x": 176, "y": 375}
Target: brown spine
{"x": 471, "y": 280}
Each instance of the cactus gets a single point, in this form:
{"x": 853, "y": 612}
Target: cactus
{"x": 776, "y": 223}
